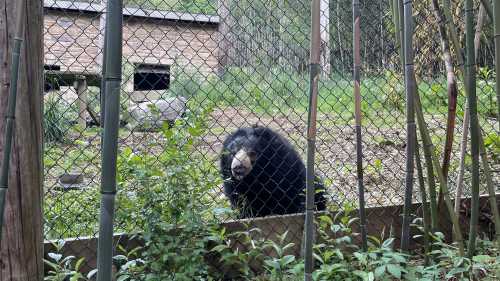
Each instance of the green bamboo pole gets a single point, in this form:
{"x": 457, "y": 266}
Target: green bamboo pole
{"x": 474, "y": 128}
{"x": 425, "y": 206}
{"x": 11, "y": 108}
{"x": 315, "y": 70}
{"x": 114, "y": 28}
{"x": 356, "y": 16}
{"x": 466, "y": 121}
{"x": 429, "y": 150}
{"x": 496, "y": 25}
{"x": 410, "y": 89}
{"x": 487, "y": 172}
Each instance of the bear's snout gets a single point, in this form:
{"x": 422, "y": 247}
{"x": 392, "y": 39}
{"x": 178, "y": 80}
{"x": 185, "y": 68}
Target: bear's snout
{"x": 241, "y": 165}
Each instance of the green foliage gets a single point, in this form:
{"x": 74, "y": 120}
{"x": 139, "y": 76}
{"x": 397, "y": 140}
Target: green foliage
{"x": 394, "y": 92}
{"x": 492, "y": 144}
{"x": 55, "y": 124}
{"x": 62, "y": 268}
{"x": 189, "y": 6}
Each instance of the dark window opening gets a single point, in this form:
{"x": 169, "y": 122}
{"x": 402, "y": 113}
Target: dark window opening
{"x": 51, "y": 81}
{"x": 151, "y": 77}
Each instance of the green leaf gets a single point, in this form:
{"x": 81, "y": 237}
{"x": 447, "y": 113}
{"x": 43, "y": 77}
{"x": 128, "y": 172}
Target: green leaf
{"x": 272, "y": 263}
{"x": 483, "y": 259}
{"x": 288, "y": 259}
{"x": 219, "y": 248}
{"x": 55, "y": 257}
{"x": 388, "y": 243}
{"x": 380, "y": 271}
{"x": 79, "y": 263}
{"x": 394, "y": 270}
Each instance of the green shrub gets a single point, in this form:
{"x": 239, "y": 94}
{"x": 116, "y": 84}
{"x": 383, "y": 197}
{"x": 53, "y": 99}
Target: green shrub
{"x": 55, "y": 126}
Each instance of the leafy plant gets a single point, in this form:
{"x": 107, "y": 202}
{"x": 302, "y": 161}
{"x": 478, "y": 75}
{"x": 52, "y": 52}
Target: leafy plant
{"x": 54, "y": 124}
{"x": 281, "y": 266}
{"x": 62, "y": 268}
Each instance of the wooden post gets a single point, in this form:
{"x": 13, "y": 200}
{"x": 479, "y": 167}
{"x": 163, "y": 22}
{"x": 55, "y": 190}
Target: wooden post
{"x": 224, "y": 42}
{"x": 81, "y": 91}
{"x": 325, "y": 36}
{"x": 21, "y": 251}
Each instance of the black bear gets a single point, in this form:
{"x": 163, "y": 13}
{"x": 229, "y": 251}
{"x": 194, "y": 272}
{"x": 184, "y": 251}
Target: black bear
{"x": 264, "y": 175}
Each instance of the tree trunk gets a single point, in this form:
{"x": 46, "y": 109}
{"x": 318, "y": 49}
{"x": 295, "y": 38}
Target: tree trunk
{"x": 21, "y": 251}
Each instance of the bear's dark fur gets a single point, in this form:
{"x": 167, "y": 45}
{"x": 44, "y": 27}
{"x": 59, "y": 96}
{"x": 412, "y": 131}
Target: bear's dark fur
{"x": 276, "y": 181}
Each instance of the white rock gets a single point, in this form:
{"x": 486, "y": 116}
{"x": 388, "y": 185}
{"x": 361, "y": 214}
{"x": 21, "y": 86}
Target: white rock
{"x": 151, "y": 115}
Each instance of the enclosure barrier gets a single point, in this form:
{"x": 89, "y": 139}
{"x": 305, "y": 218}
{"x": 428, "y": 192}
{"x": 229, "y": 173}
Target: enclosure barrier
{"x": 193, "y": 72}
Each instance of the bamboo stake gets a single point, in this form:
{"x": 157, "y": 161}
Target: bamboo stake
{"x": 429, "y": 150}
{"x": 466, "y": 121}
{"x": 452, "y": 88}
{"x": 356, "y": 14}
{"x": 410, "y": 88}
{"x": 315, "y": 70}
{"x": 496, "y": 25}
{"x": 114, "y": 34}
{"x": 474, "y": 124}
{"x": 11, "y": 108}
{"x": 425, "y": 207}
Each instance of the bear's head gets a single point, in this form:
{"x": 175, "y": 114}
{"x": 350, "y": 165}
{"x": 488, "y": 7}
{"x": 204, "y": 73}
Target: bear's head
{"x": 244, "y": 148}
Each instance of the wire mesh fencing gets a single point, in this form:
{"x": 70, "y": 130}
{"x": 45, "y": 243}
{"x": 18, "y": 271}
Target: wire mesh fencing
{"x": 237, "y": 64}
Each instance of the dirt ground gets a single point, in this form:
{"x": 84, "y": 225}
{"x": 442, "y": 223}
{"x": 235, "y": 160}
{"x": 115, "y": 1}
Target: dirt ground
{"x": 383, "y": 151}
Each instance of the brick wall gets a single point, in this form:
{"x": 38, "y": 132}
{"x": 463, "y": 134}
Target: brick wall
{"x": 72, "y": 42}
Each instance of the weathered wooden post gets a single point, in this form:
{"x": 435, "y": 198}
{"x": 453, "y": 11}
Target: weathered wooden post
{"x": 81, "y": 91}
{"x": 21, "y": 248}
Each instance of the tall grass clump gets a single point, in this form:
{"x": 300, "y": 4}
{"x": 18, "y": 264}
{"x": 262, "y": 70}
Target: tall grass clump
{"x": 55, "y": 126}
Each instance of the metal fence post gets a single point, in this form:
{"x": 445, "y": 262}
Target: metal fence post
{"x": 410, "y": 88}
{"x": 112, "y": 85}
{"x": 315, "y": 71}
{"x": 356, "y": 16}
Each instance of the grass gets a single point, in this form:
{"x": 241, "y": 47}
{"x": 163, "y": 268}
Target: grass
{"x": 276, "y": 91}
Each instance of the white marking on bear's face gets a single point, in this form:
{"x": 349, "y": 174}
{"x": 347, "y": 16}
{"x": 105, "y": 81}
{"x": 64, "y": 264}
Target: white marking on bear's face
{"x": 242, "y": 164}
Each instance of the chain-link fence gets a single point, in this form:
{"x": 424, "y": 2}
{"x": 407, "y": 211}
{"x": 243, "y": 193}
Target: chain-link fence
{"x": 246, "y": 61}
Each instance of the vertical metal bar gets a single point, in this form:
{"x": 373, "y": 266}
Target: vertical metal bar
{"x": 356, "y": 17}
{"x": 470, "y": 70}
{"x": 315, "y": 70}
{"x": 410, "y": 89}
{"x": 11, "y": 108}
{"x": 113, "y": 67}
{"x": 496, "y": 24}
